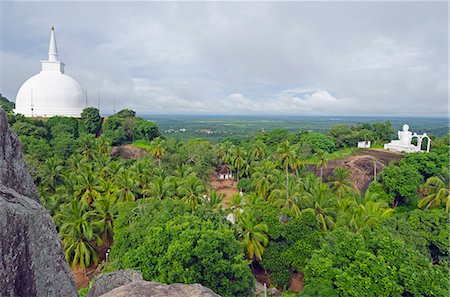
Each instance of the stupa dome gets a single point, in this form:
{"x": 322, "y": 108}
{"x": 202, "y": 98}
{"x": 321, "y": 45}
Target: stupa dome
{"x": 51, "y": 92}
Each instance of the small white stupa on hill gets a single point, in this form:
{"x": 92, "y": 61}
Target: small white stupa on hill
{"x": 403, "y": 144}
{"x": 51, "y": 92}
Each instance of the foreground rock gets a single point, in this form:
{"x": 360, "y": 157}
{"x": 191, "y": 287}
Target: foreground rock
{"x": 32, "y": 261}
{"x": 151, "y": 289}
{"x": 131, "y": 284}
{"x": 109, "y": 281}
{"x": 13, "y": 172}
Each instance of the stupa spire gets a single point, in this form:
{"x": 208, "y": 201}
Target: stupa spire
{"x": 52, "y": 50}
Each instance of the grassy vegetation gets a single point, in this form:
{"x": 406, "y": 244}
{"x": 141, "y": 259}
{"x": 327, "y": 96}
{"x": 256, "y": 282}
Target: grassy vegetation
{"x": 142, "y": 144}
{"x": 342, "y": 153}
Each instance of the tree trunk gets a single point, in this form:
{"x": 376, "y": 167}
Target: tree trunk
{"x": 287, "y": 182}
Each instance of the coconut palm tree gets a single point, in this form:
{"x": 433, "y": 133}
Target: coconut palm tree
{"x": 142, "y": 174}
{"x": 88, "y": 185}
{"x": 52, "y": 173}
{"x": 176, "y": 185}
{"x": 235, "y": 206}
{"x": 88, "y": 147}
{"x": 104, "y": 217}
{"x": 213, "y": 201}
{"x": 251, "y": 201}
{"x": 158, "y": 149}
{"x": 103, "y": 145}
{"x": 191, "y": 190}
{"x": 107, "y": 187}
{"x": 252, "y": 235}
{"x": 159, "y": 188}
{"x": 287, "y": 158}
{"x": 69, "y": 184}
{"x": 367, "y": 214}
{"x": 264, "y": 177}
{"x": 341, "y": 184}
{"x": 258, "y": 151}
{"x": 437, "y": 193}
{"x": 324, "y": 206}
{"x": 126, "y": 186}
{"x": 77, "y": 231}
{"x": 322, "y": 161}
{"x": 238, "y": 161}
{"x": 223, "y": 152}
{"x": 101, "y": 165}
{"x": 75, "y": 163}
{"x": 182, "y": 171}
{"x": 114, "y": 167}
{"x": 290, "y": 199}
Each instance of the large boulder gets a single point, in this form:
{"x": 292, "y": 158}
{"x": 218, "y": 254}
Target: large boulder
{"x": 13, "y": 172}
{"x": 130, "y": 283}
{"x": 152, "y": 289}
{"x": 32, "y": 261}
{"x": 128, "y": 151}
{"x": 109, "y": 281}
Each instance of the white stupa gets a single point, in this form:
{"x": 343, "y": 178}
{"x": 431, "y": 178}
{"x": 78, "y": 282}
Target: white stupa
{"x": 51, "y": 92}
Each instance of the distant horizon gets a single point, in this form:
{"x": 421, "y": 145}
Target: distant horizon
{"x": 293, "y": 115}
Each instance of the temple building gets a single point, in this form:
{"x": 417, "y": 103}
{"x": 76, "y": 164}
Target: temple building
{"x": 51, "y": 92}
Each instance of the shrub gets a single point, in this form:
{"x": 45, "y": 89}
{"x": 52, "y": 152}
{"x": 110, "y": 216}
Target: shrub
{"x": 170, "y": 244}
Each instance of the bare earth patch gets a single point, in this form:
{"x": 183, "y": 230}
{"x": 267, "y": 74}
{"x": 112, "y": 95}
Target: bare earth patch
{"x": 227, "y": 187}
{"x": 296, "y": 284}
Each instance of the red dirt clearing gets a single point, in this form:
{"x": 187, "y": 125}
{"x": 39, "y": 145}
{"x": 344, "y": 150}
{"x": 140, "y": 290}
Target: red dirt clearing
{"x": 227, "y": 187}
{"x": 296, "y": 284}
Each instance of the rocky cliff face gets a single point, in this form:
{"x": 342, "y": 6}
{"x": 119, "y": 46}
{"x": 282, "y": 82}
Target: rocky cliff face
{"x": 32, "y": 261}
{"x": 13, "y": 172}
{"x": 109, "y": 281}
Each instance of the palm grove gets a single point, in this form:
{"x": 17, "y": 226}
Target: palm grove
{"x": 159, "y": 215}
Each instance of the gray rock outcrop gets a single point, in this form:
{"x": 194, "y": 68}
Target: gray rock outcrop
{"x": 131, "y": 284}
{"x": 152, "y": 289}
{"x": 32, "y": 261}
{"x": 109, "y": 281}
{"x": 13, "y": 172}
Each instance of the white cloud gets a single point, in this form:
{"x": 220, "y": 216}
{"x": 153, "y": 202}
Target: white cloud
{"x": 249, "y": 57}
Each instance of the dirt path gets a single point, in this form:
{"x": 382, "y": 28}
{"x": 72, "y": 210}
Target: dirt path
{"x": 83, "y": 276}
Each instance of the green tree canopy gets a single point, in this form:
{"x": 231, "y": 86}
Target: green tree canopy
{"x": 91, "y": 120}
{"x": 7, "y": 105}
{"x": 402, "y": 183}
{"x": 371, "y": 264}
{"x": 125, "y": 113}
{"x": 318, "y": 142}
{"x": 59, "y": 124}
{"x": 169, "y": 244}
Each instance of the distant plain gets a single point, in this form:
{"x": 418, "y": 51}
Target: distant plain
{"x": 243, "y": 127}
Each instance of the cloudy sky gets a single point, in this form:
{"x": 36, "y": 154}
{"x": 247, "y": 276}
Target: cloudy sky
{"x": 301, "y": 58}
